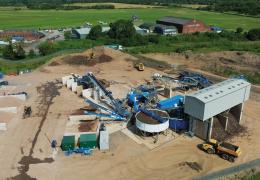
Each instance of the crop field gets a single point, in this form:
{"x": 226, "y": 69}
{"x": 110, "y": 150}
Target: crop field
{"x": 71, "y": 18}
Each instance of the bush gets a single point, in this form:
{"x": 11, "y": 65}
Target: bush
{"x": 8, "y": 51}
{"x": 154, "y": 38}
{"x": 95, "y": 32}
{"x": 31, "y": 53}
{"x": 253, "y": 34}
{"x": 46, "y": 48}
{"x": 122, "y": 29}
{"x": 13, "y": 52}
{"x": 67, "y": 35}
{"x": 239, "y": 30}
{"x": 19, "y": 53}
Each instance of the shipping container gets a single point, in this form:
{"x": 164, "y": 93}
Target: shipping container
{"x": 68, "y": 143}
{"x": 88, "y": 141}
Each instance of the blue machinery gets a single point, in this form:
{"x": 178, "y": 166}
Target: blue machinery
{"x": 119, "y": 111}
{"x": 138, "y": 99}
{"x": 198, "y": 80}
{"x": 142, "y": 95}
{"x": 82, "y": 151}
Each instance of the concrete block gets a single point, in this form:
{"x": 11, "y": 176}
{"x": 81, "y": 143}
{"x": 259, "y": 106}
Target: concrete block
{"x": 69, "y": 83}
{"x": 18, "y": 96}
{"x": 79, "y": 90}
{"x": 8, "y": 109}
{"x": 3, "y": 127}
{"x": 104, "y": 140}
{"x": 65, "y": 78}
{"x": 74, "y": 86}
{"x": 87, "y": 93}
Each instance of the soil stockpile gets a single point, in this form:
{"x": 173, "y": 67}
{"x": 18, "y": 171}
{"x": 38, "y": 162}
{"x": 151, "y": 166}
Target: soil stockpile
{"x": 88, "y": 126}
{"x": 233, "y": 129}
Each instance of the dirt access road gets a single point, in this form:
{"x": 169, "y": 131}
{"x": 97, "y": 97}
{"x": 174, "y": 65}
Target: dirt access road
{"x": 25, "y": 147}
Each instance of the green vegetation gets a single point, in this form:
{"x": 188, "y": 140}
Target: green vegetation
{"x": 253, "y": 34}
{"x": 95, "y": 32}
{"x": 7, "y": 66}
{"x": 62, "y": 18}
{"x": 13, "y": 51}
{"x": 58, "y": 48}
{"x": 197, "y": 42}
{"x": 251, "y": 7}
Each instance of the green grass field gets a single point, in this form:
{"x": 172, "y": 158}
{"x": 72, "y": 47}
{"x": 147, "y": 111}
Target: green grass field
{"x": 60, "y": 18}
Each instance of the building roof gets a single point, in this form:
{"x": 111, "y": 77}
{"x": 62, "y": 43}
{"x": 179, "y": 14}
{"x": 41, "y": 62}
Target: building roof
{"x": 164, "y": 27}
{"x": 83, "y": 30}
{"x": 105, "y": 28}
{"x": 175, "y": 20}
{"x": 220, "y": 89}
{"x": 147, "y": 25}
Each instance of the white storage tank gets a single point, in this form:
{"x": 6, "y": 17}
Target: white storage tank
{"x": 148, "y": 124}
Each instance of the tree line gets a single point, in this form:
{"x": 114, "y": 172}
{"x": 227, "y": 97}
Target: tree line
{"x": 249, "y": 7}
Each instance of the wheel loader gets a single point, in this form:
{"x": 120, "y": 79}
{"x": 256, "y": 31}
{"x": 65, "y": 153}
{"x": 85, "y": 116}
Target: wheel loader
{"x": 139, "y": 66}
{"x": 224, "y": 150}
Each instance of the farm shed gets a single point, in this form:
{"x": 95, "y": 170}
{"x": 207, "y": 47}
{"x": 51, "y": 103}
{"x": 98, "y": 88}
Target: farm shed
{"x": 183, "y": 25}
{"x": 222, "y": 98}
{"x": 165, "y": 30}
{"x": 80, "y": 33}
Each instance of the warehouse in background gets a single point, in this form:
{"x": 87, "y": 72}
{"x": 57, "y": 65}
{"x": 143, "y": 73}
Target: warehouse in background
{"x": 183, "y": 25}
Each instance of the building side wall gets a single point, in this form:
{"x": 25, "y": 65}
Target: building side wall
{"x": 193, "y": 107}
{"x": 194, "y": 26}
{"x": 29, "y": 35}
{"x": 224, "y": 103}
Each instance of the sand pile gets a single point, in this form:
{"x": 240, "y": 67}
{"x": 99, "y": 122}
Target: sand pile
{"x": 100, "y": 55}
{"x": 88, "y": 126}
{"x": 233, "y": 129}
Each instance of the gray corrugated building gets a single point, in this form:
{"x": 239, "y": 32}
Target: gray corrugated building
{"x": 165, "y": 30}
{"x": 203, "y": 105}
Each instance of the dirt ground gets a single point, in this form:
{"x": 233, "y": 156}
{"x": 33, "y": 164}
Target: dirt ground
{"x": 25, "y": 147}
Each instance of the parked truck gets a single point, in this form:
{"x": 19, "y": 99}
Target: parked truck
{"x": 225, "y": 150}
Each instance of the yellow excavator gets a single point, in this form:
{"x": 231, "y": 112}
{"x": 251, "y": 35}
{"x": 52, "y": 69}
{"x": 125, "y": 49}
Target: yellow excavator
{"x": 224, "y": 150}
{"x": 139, "y": 66}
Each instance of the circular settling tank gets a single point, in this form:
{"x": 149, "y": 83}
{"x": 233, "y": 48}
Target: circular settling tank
{"x": 148, "y": 124}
